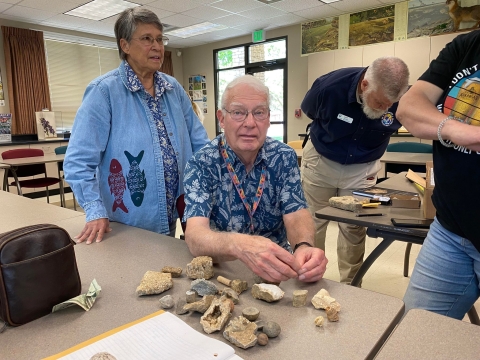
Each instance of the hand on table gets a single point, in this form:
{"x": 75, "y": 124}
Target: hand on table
{"x": 94, "y": 229}
{"x": 313, "y": 263}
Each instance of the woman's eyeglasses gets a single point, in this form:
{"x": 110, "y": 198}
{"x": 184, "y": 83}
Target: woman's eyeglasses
{"x": 148, "y": 40}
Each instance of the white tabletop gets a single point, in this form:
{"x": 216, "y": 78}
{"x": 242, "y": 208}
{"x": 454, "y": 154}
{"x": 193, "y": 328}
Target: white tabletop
{"x": 48, "y": 158}
{"x": 118, "y": 264}
{"x": 406, "y": 158}
{"x": 426, "y": 335}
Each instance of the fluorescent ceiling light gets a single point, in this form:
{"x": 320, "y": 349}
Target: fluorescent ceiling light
{"x": 101, "y": 9}
{"x": 197, "y": 29}
{"x": 269, "y": 1}
{"x": 328, "y": 1}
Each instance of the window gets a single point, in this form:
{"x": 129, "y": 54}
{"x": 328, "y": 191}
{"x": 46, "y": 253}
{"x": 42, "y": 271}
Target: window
{"x": 266, "y": 61}
{"x": 71, "y": 67}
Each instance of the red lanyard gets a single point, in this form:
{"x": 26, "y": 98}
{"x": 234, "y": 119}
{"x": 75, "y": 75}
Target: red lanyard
{"x": 256, "y": 201}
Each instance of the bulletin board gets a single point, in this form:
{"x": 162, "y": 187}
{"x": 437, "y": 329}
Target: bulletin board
{"x": 197, "y": 90}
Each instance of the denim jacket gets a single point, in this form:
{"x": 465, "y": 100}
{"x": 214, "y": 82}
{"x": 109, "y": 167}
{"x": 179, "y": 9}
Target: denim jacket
{"x": 114, "y": 160}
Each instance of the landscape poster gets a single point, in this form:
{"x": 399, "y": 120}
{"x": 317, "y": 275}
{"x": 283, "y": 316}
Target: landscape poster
{"x": 428, "y": 17}
{"x": 320, "y": 35}
{"x": 372, "y": 26}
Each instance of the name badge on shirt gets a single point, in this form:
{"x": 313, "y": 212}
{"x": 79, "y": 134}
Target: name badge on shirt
{"x": 345, "y": 118}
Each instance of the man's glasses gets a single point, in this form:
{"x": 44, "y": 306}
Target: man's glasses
{"x": 147, "y": 40}
{"x": 240, "y": 114}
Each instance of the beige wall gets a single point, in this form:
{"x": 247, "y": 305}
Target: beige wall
{"x": 199, "y": 60}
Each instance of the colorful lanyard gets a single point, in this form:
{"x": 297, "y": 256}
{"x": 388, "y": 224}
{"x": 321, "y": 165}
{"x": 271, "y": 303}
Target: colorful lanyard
{"x": 238, "y": 186}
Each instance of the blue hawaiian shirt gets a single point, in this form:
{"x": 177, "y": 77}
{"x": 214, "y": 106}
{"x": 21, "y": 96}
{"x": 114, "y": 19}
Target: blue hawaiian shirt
{"x": 169, "y": 159}
{"x": 209, "y": 191}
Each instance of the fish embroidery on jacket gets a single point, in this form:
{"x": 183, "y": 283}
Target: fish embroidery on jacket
{"x": 116, "y": 182}
{"x": 136, "y": 181}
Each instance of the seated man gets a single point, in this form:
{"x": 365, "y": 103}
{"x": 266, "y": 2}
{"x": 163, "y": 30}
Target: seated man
{"x": 243, "y": 196}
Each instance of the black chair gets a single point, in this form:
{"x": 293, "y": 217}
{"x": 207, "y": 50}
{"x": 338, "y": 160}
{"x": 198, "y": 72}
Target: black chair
{"x": 59, "y": 151}
{"x": 410, "y": 147}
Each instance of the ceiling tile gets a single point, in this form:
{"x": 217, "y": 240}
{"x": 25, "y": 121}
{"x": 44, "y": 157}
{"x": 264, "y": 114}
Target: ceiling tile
{"x": 237, "y": 6}
{"x": 28, "y": 13}
{"x": 176, "y": 6}
{"x": 11, "y": 1}
{"x": 353, "y": 5}
{"x": 162, "y": 14}
{"x": 263, "y": 12}
{"x": 180, "y": 20}
{"x": 4, "y": 7}
{"x": 68, "y": 21}
{"x": 286, "y": 20}
{"x": 232, "y": 20}
{"x": 228, "y": 33}
{"x": 184, "y": 43}
{"x": 53, "y": 6}
{"x": 205, "y": 2}
{"x": 206, "y": 12}
{"x": 319, "y": 12}
{"x": 295, "y": 5}
{"x": 256, "y": 25}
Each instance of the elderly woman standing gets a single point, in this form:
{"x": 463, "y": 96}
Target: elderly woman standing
{"x": 132, "y": 136}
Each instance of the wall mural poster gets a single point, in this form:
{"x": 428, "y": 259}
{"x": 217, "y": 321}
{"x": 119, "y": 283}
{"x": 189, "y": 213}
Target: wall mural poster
{"x": 320, "y": 35}
{"x": 197, "y": 90}
{"x": 372, "y": 26}
{"x": 427, "y": 18}
{"x": 5, "y": 127}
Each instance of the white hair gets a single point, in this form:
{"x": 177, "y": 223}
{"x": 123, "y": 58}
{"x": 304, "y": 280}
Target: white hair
{"x": 389, "y": 74}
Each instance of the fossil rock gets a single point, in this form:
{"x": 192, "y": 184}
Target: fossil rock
{"x": 241, "y": 332}
{"x": 272, "y": 329}
{"x": 154, "y": 282}
{"x": 319, "y": 321}
{"x": 299, "y": 298}
{"x": 103, "y": 356}
{"x": 167, "y": 302}
{"x": 179, "y": 309}
{"x": 231, "y": 294}
{"x": 267, "y": 292}
{"x": 259, "y": 280}
{"x": 175, "y": 271}
{"x": 322, "y": 299}
{"x": 201, "y": 267}
{"x": 332, "y": 314}
{"x": 250, "y": 313}
{"x": 262, "y": 339}
{"x": 349, "y": 203}
{"x": 260, "y": 324}
{"x": 190, "y": 296}
{"x": 216, "y": 315}
{"x": 204, "y": 287}
{"x": 238, "y": 285}
{"x": 200, "y": 306}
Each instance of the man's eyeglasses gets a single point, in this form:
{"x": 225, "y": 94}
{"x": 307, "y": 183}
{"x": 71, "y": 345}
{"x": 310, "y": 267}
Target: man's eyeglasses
{"x": 147, "y": 40}
{"x": 240, "y": 114}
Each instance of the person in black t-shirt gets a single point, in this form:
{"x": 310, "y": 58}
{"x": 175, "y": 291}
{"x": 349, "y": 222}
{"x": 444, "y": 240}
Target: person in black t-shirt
{"x": 444, "y": 105}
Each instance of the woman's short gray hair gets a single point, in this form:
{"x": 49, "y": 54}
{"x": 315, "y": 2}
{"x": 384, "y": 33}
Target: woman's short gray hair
{"x": 249, "y": 80}
{"x": 127, "y": 22}
{"x": 388, "y": 74}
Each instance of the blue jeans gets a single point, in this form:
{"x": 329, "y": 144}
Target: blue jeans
{"x": 445, "y": 279}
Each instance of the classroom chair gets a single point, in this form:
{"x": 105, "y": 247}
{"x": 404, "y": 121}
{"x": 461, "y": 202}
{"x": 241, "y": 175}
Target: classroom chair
{"x": 62, "y": 150}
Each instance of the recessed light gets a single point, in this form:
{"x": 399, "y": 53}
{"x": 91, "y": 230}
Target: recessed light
{"x": 197, "y": 29}
{"x": 101, "y": 9}
{"x": 328, "y": 1}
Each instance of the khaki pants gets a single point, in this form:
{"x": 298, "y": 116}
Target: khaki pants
{"x": 323, "y": 179}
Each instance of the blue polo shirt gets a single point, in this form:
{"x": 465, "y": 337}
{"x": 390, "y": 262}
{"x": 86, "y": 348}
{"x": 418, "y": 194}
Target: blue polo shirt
{"x": 340, "y": 130}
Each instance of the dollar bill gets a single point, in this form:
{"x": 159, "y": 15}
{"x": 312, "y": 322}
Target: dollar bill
{"x": 85, "y": 301}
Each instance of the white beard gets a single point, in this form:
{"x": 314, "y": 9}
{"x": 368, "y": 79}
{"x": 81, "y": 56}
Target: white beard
{"x": 372, "y": 113}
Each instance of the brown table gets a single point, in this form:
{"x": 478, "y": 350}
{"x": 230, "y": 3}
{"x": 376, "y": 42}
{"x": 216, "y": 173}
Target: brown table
{"x": 426, "y": 335}
{"x": 119, "y": 262}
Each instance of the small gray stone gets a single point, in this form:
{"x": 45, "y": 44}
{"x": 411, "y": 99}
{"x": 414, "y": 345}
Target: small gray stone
{"x": 190, "y": 296}
{"x": 251, "y": 313}
{"x": 204, "y": 287}
{"x": 231, "y": 294}
{"x": 272, "y": 329}
{"x": 260, "y": 324}
{"x": 262, "y": 339}
{"x": 179, "y": 309}
{"x": 167, "y": 302}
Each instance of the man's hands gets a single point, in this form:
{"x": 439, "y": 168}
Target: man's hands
{"x": 94, "y": 229}
{"x": 314, "y": 263}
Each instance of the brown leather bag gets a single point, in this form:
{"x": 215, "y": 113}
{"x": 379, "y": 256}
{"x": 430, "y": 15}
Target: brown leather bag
{"x": 37, "y": 271}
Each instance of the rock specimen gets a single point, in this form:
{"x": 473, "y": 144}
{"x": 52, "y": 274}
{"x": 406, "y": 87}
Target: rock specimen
{"x": 190, "y": 296}
{"x": 179, "y": 309}
{"x": 322, "y": 299}
{"x": 319, "y": 321}
{"x": 272, "y": 329}
{"x": 250, "y": 313}
{"x": 349, "y": 203}
{"x": 216, "y": 315}
{"x": 231, "y": 294}
{"x": 267, "y": 292}
{"x": 262, "y": 339}
{"x": 332, "y": 314}
{"x": 260, "y": 324}
{"x": 259, "y": 280}
{"x": 200, "y": 306}
{"x": 201, "y": 267}
{"x": 175, "y": 271}
{"x": 154, "y": 282}
{"x": 299, "y": 298}
{"x": 241, "y": 332}
{"x": 103, "y": 356}
{"x": 238, "y": 285}
{"x": 203, "y": 287}
{"x": 167, "y": 302}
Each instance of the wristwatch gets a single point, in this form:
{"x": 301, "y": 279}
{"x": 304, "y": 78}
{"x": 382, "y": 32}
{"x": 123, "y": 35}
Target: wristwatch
{"x": 300, "y": 244}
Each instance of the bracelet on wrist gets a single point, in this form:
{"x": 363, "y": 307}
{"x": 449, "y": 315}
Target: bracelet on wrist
{"x": 439, "y": 132}
{"x": 300, "y": 244}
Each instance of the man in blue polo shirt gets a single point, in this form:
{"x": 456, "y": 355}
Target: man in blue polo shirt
{"x": 353, "y": 113}
{"x": 243, "y": 196}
